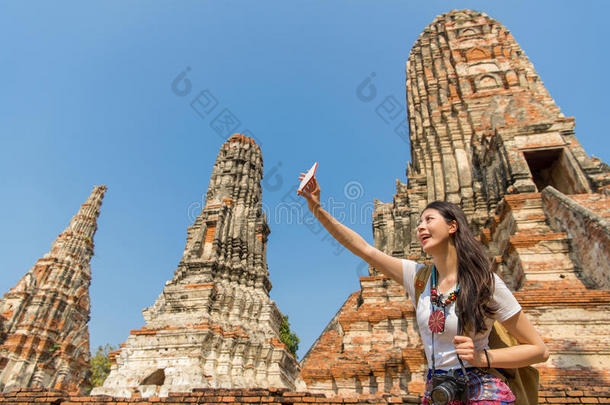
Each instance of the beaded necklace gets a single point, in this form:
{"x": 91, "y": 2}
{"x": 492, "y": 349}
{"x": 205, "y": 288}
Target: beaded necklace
{"x": 436, "y": 322}
{"x": 438, "y": 313}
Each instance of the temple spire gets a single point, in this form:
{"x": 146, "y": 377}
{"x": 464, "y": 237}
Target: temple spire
{"x": 76, "y": 241}
{"x": 213, "y": 326}
{"x": 44, "y": 338}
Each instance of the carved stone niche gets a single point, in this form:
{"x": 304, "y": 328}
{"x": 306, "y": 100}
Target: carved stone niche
{"x": 477, "y": 53}
{"x": 556, "y": 167}
{"x": 487, "y": 81}
{"x": 469, "y": 32}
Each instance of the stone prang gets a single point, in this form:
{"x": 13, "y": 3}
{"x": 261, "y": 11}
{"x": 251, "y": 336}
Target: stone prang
{"x": 213, "y": 326}
{"x": 485, "y": 134}
{"x": 44, "y": 338}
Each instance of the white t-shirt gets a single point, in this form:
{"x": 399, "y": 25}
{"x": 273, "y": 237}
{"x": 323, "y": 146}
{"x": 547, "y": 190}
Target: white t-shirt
{"x": 444, "y": 350}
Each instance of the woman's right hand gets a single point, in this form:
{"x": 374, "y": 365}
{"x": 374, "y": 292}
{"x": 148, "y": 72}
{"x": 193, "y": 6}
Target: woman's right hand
{"x": 311, "y": 193}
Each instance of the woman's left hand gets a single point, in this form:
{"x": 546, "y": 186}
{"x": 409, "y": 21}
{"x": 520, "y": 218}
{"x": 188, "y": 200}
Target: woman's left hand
{"x": 464, "y": 347}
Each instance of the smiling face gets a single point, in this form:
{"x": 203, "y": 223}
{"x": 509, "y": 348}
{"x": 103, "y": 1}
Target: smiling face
{"x": 433, "y": 231}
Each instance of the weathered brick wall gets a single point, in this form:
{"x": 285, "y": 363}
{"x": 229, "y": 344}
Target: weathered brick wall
{"x": 573, "y": 387}
{"x": 372, "y": 346}
{"x": 203, "y": 396}
{"x": 589, "y": 232}
{"x": 551, "y": 394}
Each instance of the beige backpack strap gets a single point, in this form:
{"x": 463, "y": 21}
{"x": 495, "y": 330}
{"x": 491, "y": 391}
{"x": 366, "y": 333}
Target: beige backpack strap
{"x": 421, "y": 279}
{"x": 523, "y": 381}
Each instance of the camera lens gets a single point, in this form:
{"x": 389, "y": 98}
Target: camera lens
{"x": 441, "y": 396}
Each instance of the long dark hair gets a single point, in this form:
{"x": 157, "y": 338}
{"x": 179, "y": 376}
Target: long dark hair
{"x": 474, "y": 271}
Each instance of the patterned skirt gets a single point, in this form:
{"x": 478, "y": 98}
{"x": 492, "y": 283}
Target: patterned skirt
{"x": 483, "y": 389}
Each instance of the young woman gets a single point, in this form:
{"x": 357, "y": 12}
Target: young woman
{"x": 461, "y": 277}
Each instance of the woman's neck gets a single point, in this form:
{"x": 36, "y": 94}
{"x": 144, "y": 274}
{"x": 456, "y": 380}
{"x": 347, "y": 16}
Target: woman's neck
{"x": 446, "y": 264}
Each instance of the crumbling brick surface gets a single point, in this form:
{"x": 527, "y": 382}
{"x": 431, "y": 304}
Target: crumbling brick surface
{"x": 586, "y": 217}
{"x": 203, "y": 396}
{"x": 549, "y": 394}
{"x": 368, "y": 348}
{"x": 44, "y": 339}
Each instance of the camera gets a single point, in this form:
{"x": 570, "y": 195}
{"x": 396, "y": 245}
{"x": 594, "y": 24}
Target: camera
{"x": 449, "y": 387}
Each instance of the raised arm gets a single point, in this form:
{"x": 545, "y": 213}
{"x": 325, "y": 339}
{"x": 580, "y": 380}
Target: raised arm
{"x": 388, "y": 265}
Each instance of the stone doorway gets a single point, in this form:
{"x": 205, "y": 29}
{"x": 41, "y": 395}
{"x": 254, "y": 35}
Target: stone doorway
{"x": 552, "y": 167}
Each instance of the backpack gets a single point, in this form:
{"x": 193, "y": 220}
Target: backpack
{"x": 522, "y": 381}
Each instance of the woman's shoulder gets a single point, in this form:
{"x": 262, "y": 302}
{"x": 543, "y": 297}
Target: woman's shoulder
{"x": 411, "y": 265}
{"x": 506, "y": 303}
{"x": 499, "y": 282}
{"x": 410, "y": 270}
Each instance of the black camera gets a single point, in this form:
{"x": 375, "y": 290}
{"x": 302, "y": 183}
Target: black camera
{"x": 449, "y": 387}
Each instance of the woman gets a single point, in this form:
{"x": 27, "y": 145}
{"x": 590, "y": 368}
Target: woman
{"x": 461, "y": 277}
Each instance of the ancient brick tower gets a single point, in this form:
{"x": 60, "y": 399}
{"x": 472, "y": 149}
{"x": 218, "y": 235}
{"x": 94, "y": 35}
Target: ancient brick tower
{"x": 485, "y": 134}
{"x": 214, "y": 324}
{"x": 43, "y": 319}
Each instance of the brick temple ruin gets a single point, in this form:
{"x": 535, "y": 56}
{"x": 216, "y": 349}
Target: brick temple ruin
{"x": 44, "y": 337}
{"x": 214, "y": 324}
{"x": 485, "y": 134}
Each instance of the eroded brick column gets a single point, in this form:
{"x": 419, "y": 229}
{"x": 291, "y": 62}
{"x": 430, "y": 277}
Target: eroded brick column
{"x": 213, "y": 326}
{"x": 45, "y": 339}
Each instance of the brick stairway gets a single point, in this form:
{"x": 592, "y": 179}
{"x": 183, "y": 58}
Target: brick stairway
{"x": 521, "y": 235}
{"x": 552, "y": 292}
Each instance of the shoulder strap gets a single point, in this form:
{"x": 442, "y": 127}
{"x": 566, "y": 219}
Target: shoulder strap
{"x": 421, "y": 279}
{"x": 523, "y": 381}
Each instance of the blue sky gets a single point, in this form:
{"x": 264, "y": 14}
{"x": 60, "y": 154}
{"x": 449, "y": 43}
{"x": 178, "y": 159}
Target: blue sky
{"x": 87, "y": 99}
